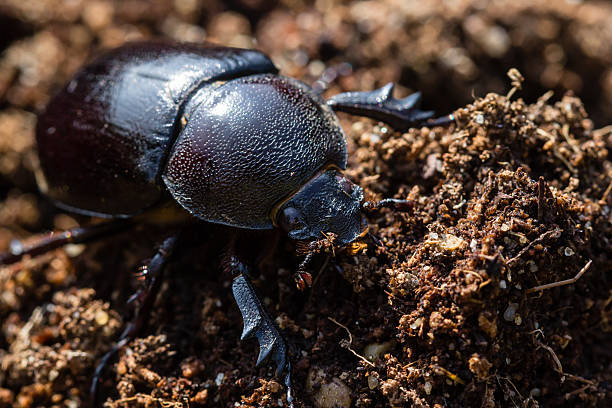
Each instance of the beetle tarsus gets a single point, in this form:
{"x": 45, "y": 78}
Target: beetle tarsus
{"x": 258, "y": 323}
{"x": 400, "y": 114}
{"x": 146, "y": 298}
{"x": 303, "y": 280}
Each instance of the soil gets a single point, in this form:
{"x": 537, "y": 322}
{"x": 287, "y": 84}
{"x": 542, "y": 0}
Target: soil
{"x": 464, "y": 299}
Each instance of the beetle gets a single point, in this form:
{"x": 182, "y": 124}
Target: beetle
{"x": 211, "y": 132}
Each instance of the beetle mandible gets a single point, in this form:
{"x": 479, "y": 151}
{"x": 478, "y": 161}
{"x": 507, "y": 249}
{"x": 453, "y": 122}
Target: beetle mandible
{"x": 216, "y": 133}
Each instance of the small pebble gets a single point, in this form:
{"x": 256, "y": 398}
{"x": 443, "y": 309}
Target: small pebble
{"x": 372, "y": 382}
{"x": 510, "y": 312}
{"x": 101, "y": 318}
{"x": 330, "y": 394}
{"x": 374, "y": 351}
{"x": 219, "y": 379}
{"x": 416, "y": 324}
{"x": 201, "y": 397}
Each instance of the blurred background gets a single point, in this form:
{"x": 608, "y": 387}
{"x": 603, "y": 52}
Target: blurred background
{"x": 450, "y": 50}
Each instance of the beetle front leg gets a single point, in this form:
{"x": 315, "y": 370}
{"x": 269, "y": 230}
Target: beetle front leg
{"x": 258, "y": 323}
{"x": 146, "y": 297}
{"x": 400, "y": 114}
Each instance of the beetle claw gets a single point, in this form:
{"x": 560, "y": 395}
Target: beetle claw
{"x": 379, "y": 104}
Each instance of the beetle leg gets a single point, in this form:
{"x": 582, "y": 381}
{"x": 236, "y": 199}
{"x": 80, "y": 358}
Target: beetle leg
{"x": 302, "y": 278}
{"x": 400, "y": 114}
{"x": 56, "y": 240}
{"x": 258, "y": 323}
{"x": 146, "y": 296}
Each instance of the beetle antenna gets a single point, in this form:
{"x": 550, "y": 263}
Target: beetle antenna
{"x": 393, "y": 203}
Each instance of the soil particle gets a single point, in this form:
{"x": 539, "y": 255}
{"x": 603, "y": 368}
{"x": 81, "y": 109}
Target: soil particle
{"x": 56, "y": 348}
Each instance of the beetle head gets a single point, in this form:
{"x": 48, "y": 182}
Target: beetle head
{"x": 329, "y": 202}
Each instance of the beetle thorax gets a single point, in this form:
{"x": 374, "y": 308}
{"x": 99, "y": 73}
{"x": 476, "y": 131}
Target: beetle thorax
{"x": 249, "y": 143}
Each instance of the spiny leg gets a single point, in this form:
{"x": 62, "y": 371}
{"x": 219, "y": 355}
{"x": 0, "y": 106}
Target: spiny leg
{"x": 400, "y": 114}
{"x": 258, "y": 323}
{"x": 153, "y": 274}
{"x": 56, "y": 240}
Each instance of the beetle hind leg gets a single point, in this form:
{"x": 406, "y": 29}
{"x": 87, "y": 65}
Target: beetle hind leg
{"x": 258, "y": 323}
{"x": 56, "y": 240}
{"x": 145, "y": 297}
{"x": 400, "y": 114}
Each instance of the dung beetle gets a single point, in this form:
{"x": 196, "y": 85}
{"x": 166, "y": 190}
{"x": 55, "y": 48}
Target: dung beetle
{"x": 213, "y": 132}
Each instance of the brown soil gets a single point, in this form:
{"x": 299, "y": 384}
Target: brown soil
{"x": 448, "y": 311}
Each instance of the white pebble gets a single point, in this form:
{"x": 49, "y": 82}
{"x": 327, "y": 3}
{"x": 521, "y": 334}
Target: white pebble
{"x": 219, "y": 379}
{"x": 510, "y": 312}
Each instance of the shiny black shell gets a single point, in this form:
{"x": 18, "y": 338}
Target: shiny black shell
{"x": 213, "y": 127}
{"x": 250, "y": 143}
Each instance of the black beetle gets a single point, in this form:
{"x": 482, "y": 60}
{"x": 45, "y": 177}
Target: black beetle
{"x": 217, "y": 131}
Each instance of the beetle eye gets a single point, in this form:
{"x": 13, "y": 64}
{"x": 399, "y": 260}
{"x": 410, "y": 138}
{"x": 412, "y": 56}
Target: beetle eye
{"x": 345, "y": 184}
{"x": 291, "y": 219}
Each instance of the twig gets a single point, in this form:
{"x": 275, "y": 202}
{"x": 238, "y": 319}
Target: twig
{"x": 558, "y": 366}
{"x": 577, "y": 391}
{"x": 450, "y": 375}
{"x": 569, "y": 165}
{"x": 350, "y": 342}
{"x": 556, "y": 233}
{"x": 321, "y": 269}
{"x": 544, "y": 98}
{"x": 556, "y": 153}
{"x": 516, "y": 81}
{"x": 316, "y": 279}
{"x": 581, "y": 379}
{"x": 541, "y": 187}
{"x": 498, "y": 378}
{"x": 604, "y": 197}
{"x": 570, "y": 141}
{"x": 606, "y": 130}
{"x": 564, "y": 376}
{"x": 563, "y": 282}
